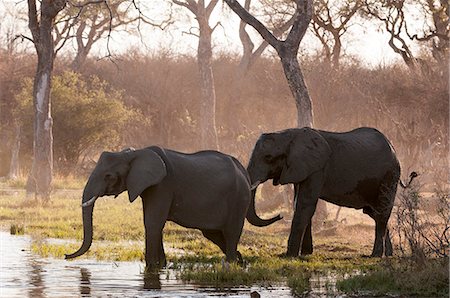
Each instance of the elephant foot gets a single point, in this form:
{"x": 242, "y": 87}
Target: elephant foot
{"x": 293, "y": 250}
{"x": 306, "y": 251}
{"x": 375, "y": 255}
{"x": 151, "y": 281}
{"x": 289, "y": 255}
{"x": 240, "y": 260}
{"x": 152, "y": 268}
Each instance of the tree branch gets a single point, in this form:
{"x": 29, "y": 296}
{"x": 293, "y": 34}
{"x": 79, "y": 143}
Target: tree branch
{"x": 255, "y": 23}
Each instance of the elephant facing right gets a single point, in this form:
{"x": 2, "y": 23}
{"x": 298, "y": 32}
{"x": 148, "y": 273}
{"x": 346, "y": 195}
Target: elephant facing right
{"x": 356, "y": 169}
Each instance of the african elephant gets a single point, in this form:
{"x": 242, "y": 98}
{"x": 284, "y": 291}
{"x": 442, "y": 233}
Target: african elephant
{"x": 356, "y": 169}
{"x": 207, "y": 190}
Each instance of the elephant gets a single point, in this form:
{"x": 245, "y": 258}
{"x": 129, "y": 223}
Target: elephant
{"x": 357, "y": 169}
{"x": 207, "y": 190}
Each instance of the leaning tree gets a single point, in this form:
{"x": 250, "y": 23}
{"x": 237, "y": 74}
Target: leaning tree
{"x": 287, "y": 50}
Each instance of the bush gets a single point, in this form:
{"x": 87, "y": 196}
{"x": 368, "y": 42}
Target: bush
{"x": 87, "y": 116}
{"x": 423, "y": 224}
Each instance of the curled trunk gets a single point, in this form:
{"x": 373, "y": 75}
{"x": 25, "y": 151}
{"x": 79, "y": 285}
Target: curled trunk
{"x": 254, "y": 219}
{"x": 87, "y": 232}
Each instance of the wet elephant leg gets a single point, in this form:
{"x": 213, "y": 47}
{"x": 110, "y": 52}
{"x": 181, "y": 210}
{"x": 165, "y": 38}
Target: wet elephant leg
{"x": 154, "y": 221}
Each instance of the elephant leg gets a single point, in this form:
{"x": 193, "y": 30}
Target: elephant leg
{"x": 218, "y": 239}
{"x": 154, "y": 222}
{"x": 306, "y": 201}
{"x": 381, "y": 214}
{"x": 307, "y": 247}
{"x": 216, "y": 236}
{"x": 388, "y": 244}
{"x": 380, "y": 232}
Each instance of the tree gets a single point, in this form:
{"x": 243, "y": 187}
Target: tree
{"x": 250, "y": 54}
{"x": 287, "y": 51}
{"x": 41, "y": 23}
{"x": 435, "y": 29}
{"x": 78, "y": 129}
{"x": 392, "y": 15}
{"x": 330, "y": 22}
{"x": 207, "y": 121}
{"x": 87, "y": 24}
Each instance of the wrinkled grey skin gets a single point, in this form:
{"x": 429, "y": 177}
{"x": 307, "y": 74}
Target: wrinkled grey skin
{"x": 356, "y": 169}
{"x": 208, "y": 190}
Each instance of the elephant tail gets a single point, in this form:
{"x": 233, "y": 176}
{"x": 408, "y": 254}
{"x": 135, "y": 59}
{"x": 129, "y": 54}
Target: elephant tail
{"x": 411, "y": 177}
{"x": 254, "y": 219}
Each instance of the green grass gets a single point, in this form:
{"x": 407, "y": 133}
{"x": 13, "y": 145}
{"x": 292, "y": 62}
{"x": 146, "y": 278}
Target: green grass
{"x": 119, "y": 236}
{"x": 401, "y": 278}
{"x": 299, "y": 284}
{"x": 59, "y": 182}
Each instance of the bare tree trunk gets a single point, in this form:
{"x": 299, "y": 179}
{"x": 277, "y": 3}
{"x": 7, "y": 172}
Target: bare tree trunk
{"x": 14, "y": 163}
{"x": 337, "y": 47}
{"x": 298, "y": 88}
{"x": 287, "y": 51}
{"x": 207, "y": 123}
{"x": 40, "y": 178}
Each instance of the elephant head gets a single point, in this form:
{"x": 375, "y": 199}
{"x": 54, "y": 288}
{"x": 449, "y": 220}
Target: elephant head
{"x": 288, "y": 156}
{"x": 114, "y": 173}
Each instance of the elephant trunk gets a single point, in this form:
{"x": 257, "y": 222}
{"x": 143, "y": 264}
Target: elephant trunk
{"x": 87, "y": 232}
{"x": 254, "y": 219}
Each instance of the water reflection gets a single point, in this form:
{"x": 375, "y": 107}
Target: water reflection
{"x": 85, "y": 282}
{"x": 36, "y": 281}
{"x": 23, "y": 274}
{"x": 152, "y": 281}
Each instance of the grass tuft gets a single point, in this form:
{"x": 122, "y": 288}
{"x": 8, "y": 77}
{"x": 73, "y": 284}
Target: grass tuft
{"x": 16, "y": 229}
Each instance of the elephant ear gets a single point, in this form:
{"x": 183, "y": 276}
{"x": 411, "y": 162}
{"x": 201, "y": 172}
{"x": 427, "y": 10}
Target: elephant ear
{"x": 308, "y": 152}
{"x": 147, "y": 169}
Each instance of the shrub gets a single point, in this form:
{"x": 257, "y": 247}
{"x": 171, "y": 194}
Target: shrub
{"x": 87, "y": 116}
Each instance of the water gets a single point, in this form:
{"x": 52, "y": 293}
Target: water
{"x": 24, "y": 274}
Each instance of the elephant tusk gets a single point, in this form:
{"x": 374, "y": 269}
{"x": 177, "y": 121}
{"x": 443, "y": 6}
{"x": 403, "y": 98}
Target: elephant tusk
{"x": 90, "y": 202}
{"x": 255, "y": 185}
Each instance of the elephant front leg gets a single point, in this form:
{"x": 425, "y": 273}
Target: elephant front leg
{"x": 155, "y": 257}
{"x": 306, "y": 197}
{"x": 154, "y": 220}
{"x": 307, "y": 247}
{"x": 299, "y": 235}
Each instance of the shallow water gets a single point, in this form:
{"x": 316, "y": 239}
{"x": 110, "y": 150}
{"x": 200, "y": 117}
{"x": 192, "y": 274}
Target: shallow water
{"x": 24, "y": 274}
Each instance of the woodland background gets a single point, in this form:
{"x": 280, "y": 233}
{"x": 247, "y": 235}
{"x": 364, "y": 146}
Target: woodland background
{"x": 140, "y": 98}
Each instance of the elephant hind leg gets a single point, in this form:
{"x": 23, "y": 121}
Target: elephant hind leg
{"x": 218, "y": 238}
{"x": 382, "y": 238}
